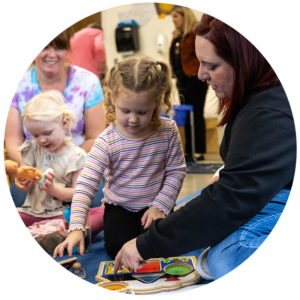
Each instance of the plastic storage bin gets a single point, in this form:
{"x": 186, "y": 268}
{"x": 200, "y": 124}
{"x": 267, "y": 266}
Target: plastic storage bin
{"x": 179, "y": 117}
{"x": 180, "y": 112}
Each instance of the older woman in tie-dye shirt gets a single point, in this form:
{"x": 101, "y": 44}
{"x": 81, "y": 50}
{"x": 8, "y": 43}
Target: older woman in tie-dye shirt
{"x": 81, "y": 89}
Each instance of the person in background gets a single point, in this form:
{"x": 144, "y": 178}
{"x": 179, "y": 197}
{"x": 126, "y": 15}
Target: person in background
{"x": 82, "y": 92}
{"x": 88, "y": 51}
{"x": 185, "y": 66}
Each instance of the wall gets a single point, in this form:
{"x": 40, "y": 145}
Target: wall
{"x": 148, "y": 34}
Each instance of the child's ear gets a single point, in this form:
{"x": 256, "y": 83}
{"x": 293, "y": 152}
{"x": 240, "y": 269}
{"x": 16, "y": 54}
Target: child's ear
{"x": 65, "y": 122}
{"x": 113, "y": 101}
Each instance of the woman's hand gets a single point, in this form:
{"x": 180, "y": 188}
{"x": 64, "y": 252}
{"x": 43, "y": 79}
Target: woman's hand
{"x": 74, "y": 238}
{"x": 130, "y": 257}
{"x": 150, "y": 215}
{"x": 49, "y": 185}
{"x": 24, "y": 185}
{"x": 213, "y": 179}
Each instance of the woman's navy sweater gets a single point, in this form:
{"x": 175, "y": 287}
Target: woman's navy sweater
{"x": 259, "y": 153}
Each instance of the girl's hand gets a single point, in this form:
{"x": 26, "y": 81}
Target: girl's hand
{"x": 24, "y": 185}
{"x": 74, "y": 238}
{"x": 49, "y": 185}
{"x": 150, "y": 215}
{"x": 130, "y": 257}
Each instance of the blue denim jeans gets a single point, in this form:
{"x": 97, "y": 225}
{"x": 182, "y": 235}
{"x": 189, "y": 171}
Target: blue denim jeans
{"x": 241, "y": 244}
{"x": 19, "y": 197}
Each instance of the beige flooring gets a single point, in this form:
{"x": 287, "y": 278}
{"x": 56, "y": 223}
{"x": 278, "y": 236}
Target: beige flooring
{"x": 194, "y": 182}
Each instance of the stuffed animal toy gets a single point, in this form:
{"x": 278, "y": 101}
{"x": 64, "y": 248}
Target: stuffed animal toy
{"x": 26, "y": 172}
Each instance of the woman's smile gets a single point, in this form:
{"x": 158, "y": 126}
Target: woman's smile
{"x": 50, "y": 62}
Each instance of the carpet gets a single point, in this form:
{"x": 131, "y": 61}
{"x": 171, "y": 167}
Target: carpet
{"x": 203, "y": 167}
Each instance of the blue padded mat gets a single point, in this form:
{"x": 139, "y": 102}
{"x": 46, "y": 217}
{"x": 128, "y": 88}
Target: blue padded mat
{"x": 91, "y": 261}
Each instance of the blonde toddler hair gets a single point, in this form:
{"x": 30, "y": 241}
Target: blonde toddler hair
{"x": 47, "y": 107}
{"x": 139, "y": 75}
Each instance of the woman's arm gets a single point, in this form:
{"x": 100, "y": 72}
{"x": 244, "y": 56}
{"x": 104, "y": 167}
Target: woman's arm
{"x": 94, "y": 122}
{"x": 14, "y": 136}
{"x": 57, "y": 191}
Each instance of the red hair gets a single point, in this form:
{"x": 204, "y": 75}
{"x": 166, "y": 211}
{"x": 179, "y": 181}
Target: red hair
{"x": 252, "y": 72}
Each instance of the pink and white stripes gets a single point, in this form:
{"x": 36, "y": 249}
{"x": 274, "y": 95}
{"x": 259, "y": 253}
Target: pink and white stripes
{"x": 139, "y": 173}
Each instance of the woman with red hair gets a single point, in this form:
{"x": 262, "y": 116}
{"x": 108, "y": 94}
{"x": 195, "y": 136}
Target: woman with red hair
{"x": 234, "y": 215}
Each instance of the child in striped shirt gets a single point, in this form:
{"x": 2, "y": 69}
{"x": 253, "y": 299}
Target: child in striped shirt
{"x": 140, "y": 154}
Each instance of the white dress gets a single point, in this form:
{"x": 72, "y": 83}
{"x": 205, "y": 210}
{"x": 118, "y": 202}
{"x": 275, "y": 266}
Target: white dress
{"x": 38, "y": 203}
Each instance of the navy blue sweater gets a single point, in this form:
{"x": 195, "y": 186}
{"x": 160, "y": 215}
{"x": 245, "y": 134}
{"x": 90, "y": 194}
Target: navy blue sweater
{"x": 259, "y": 153}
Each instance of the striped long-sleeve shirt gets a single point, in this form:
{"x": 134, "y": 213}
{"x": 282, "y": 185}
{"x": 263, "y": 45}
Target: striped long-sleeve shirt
{"x": 139, "y": 173}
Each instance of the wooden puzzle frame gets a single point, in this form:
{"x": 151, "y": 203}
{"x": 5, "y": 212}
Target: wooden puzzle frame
{"x": 106, "y": 278}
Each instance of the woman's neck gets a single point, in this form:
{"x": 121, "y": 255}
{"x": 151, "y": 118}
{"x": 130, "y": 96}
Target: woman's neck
{"x": 55, "y": 82}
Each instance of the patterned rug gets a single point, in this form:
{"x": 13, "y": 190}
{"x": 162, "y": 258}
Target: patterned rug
{"x": 203, "y": 167}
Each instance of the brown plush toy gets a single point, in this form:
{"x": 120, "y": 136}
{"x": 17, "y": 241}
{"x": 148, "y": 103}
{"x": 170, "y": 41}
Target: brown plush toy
{"x": 25, "y": 172}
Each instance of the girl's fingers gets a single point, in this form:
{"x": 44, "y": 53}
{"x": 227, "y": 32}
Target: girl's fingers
{"x": 117, "y": 260}
{"x": 144, "y": 218}
{"x": 24, "y": 181}
{"x": 60, "y": 249}
{"x": 27, "y": 182}
{"x": 48, "y": 177}
{"x": 70, "y": 248}
{"x": 81, "y": 247}
{"x": 149, "y": 221}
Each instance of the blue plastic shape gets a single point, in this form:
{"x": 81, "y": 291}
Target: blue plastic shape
{"x": 43, "y": 176}
{"x": 67, "y": 214}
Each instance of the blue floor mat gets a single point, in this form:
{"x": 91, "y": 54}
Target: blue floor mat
{"x": 91, "y": 261}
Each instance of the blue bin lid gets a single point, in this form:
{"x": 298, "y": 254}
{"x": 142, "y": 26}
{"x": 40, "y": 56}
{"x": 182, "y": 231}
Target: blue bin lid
{"x": 183, "y": 107}
{"x": 127, "y": 23}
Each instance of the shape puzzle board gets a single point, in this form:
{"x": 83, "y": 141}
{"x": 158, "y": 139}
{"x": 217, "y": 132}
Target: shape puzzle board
{"x": 158, "y": 275}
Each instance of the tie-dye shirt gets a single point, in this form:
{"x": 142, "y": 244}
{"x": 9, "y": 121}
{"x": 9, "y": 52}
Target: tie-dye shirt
{"x": 82, "y": 91}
